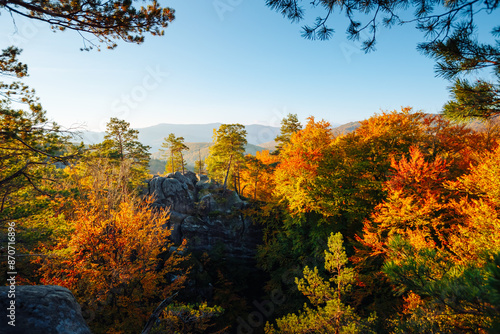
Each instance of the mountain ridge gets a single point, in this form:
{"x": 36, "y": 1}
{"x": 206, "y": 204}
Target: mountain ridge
{"x": 153, "y": 135}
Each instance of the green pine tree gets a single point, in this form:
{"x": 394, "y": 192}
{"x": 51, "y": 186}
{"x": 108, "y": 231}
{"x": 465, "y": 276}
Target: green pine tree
{"x": 121, "y": 149}
{"x": 326, "y": 313}
{"x": 289, "y": 126}
{"x": 227, "y": 153}
{"x": 174, "y": 146}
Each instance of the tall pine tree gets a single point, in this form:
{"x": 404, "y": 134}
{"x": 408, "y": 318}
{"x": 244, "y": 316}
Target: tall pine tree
{"x": 227, "y": 153}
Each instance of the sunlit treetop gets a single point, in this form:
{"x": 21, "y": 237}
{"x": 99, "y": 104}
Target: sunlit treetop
{"x": 106, "y": 20}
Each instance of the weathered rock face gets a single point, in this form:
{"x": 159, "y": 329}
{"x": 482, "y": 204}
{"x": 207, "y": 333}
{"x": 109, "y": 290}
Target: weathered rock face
{"x": 204, "y": 215}
{"x": 42, "y": 309}
{"x": 174, "y": 191}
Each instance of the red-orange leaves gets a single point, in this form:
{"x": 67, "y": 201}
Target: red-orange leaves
{"x": 298, "y": 168}
{"x": 416, "y": 204}
{"x": 415, "y": 176}
{"x": 116, "y": 262}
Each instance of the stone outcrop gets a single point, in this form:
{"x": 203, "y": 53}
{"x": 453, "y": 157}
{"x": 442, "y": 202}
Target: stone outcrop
{"x": 41, "y": 309}
{"x": 203, "y": 214}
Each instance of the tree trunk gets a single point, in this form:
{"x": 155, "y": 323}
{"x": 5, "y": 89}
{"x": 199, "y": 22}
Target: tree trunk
{"x": 227, "y": 173}
{"x": 182, "y": 162}
{"x": 156, "y": 314}
{"x": 120, "y": 142}
{"x": 172, "y": 160}
{"x": 235, "y": 177}
{"x": 239, "y": 180}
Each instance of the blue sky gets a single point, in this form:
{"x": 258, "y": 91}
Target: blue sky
{"x": 247, "y": 65}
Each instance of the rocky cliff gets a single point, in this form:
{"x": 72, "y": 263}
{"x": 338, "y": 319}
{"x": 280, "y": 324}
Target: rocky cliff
{"x": 205, "y": 215}
{"x": 40, "y": 309}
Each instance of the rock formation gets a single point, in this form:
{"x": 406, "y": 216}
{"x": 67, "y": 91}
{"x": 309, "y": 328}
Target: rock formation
{"x": 206, "y": 216}
{"x": 41, "y": 309}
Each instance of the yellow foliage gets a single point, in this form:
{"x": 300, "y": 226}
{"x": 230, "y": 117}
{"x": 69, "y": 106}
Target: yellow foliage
{"x": 300, "y": 160}
{"x": 117, "y": 262}
{"x": 257, "y": 179}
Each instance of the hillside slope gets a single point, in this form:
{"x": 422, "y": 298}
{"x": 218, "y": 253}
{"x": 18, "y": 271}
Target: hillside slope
{"x": 195, "y": 152}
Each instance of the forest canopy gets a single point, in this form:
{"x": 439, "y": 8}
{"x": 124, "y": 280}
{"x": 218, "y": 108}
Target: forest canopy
{"x": 390, "y": 228}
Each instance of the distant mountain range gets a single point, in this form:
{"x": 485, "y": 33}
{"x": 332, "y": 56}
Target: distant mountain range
{"x": 198, "y": 137}
{"x": 192, "y": 133}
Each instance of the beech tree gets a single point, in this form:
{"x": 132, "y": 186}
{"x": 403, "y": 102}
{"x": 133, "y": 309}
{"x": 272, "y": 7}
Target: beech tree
{"x": 112, "y": 260}
{"x": 106, "y": 20}
{"x": 294, "y": 231}
{"x": 300, "y": 160}
{"x": 333, "y": 184}
{"x": 436, "y": 234}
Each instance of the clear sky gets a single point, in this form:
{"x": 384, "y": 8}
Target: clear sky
{"x": 246, "y": 65}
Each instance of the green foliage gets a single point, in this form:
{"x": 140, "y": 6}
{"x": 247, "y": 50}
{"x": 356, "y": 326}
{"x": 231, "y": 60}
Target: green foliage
{"x": 450, "y": 30}
{"x": 174, "y": 145}
{"x": 107, "y": 21}
{"x": 335, "y": 184}
{"x": 453, "y": 18}
{"x": 199, "y": 166}
{"x": 187, "y": 318}
{"x": 289, "y": 126}
{"x": 461, "y": 53}
{"x": 480, "y": 100}
{"x": 227, "y": 153}
{"x": 328, "y": 313}
{"x": 124, "y": 156}
{"x": 31, "y": 147}
{"x": 434, "y": 234}
{"x": 120, "y": 143}
{"x": 11, "y": 67}
{"x": 455, "y": 298}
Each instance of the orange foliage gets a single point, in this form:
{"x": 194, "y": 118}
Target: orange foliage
{"x": 415, "y": 176}
{"x": 116, "y": 262}
{"x": 301, "y": 158}
{"x": 419, "y": 202}
{"x": 412, "y": 302}
{"x": 415, "y": 204}
{"x": 394, "y": 132}
{"x": 257, "y": 176}
{"x": 478, "y": 210}
{"x": 431, "y": 209}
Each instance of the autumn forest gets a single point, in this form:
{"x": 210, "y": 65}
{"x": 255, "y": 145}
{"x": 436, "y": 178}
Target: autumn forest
{"x": 393, "y": 227}
{"x": 390, "y": 228}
